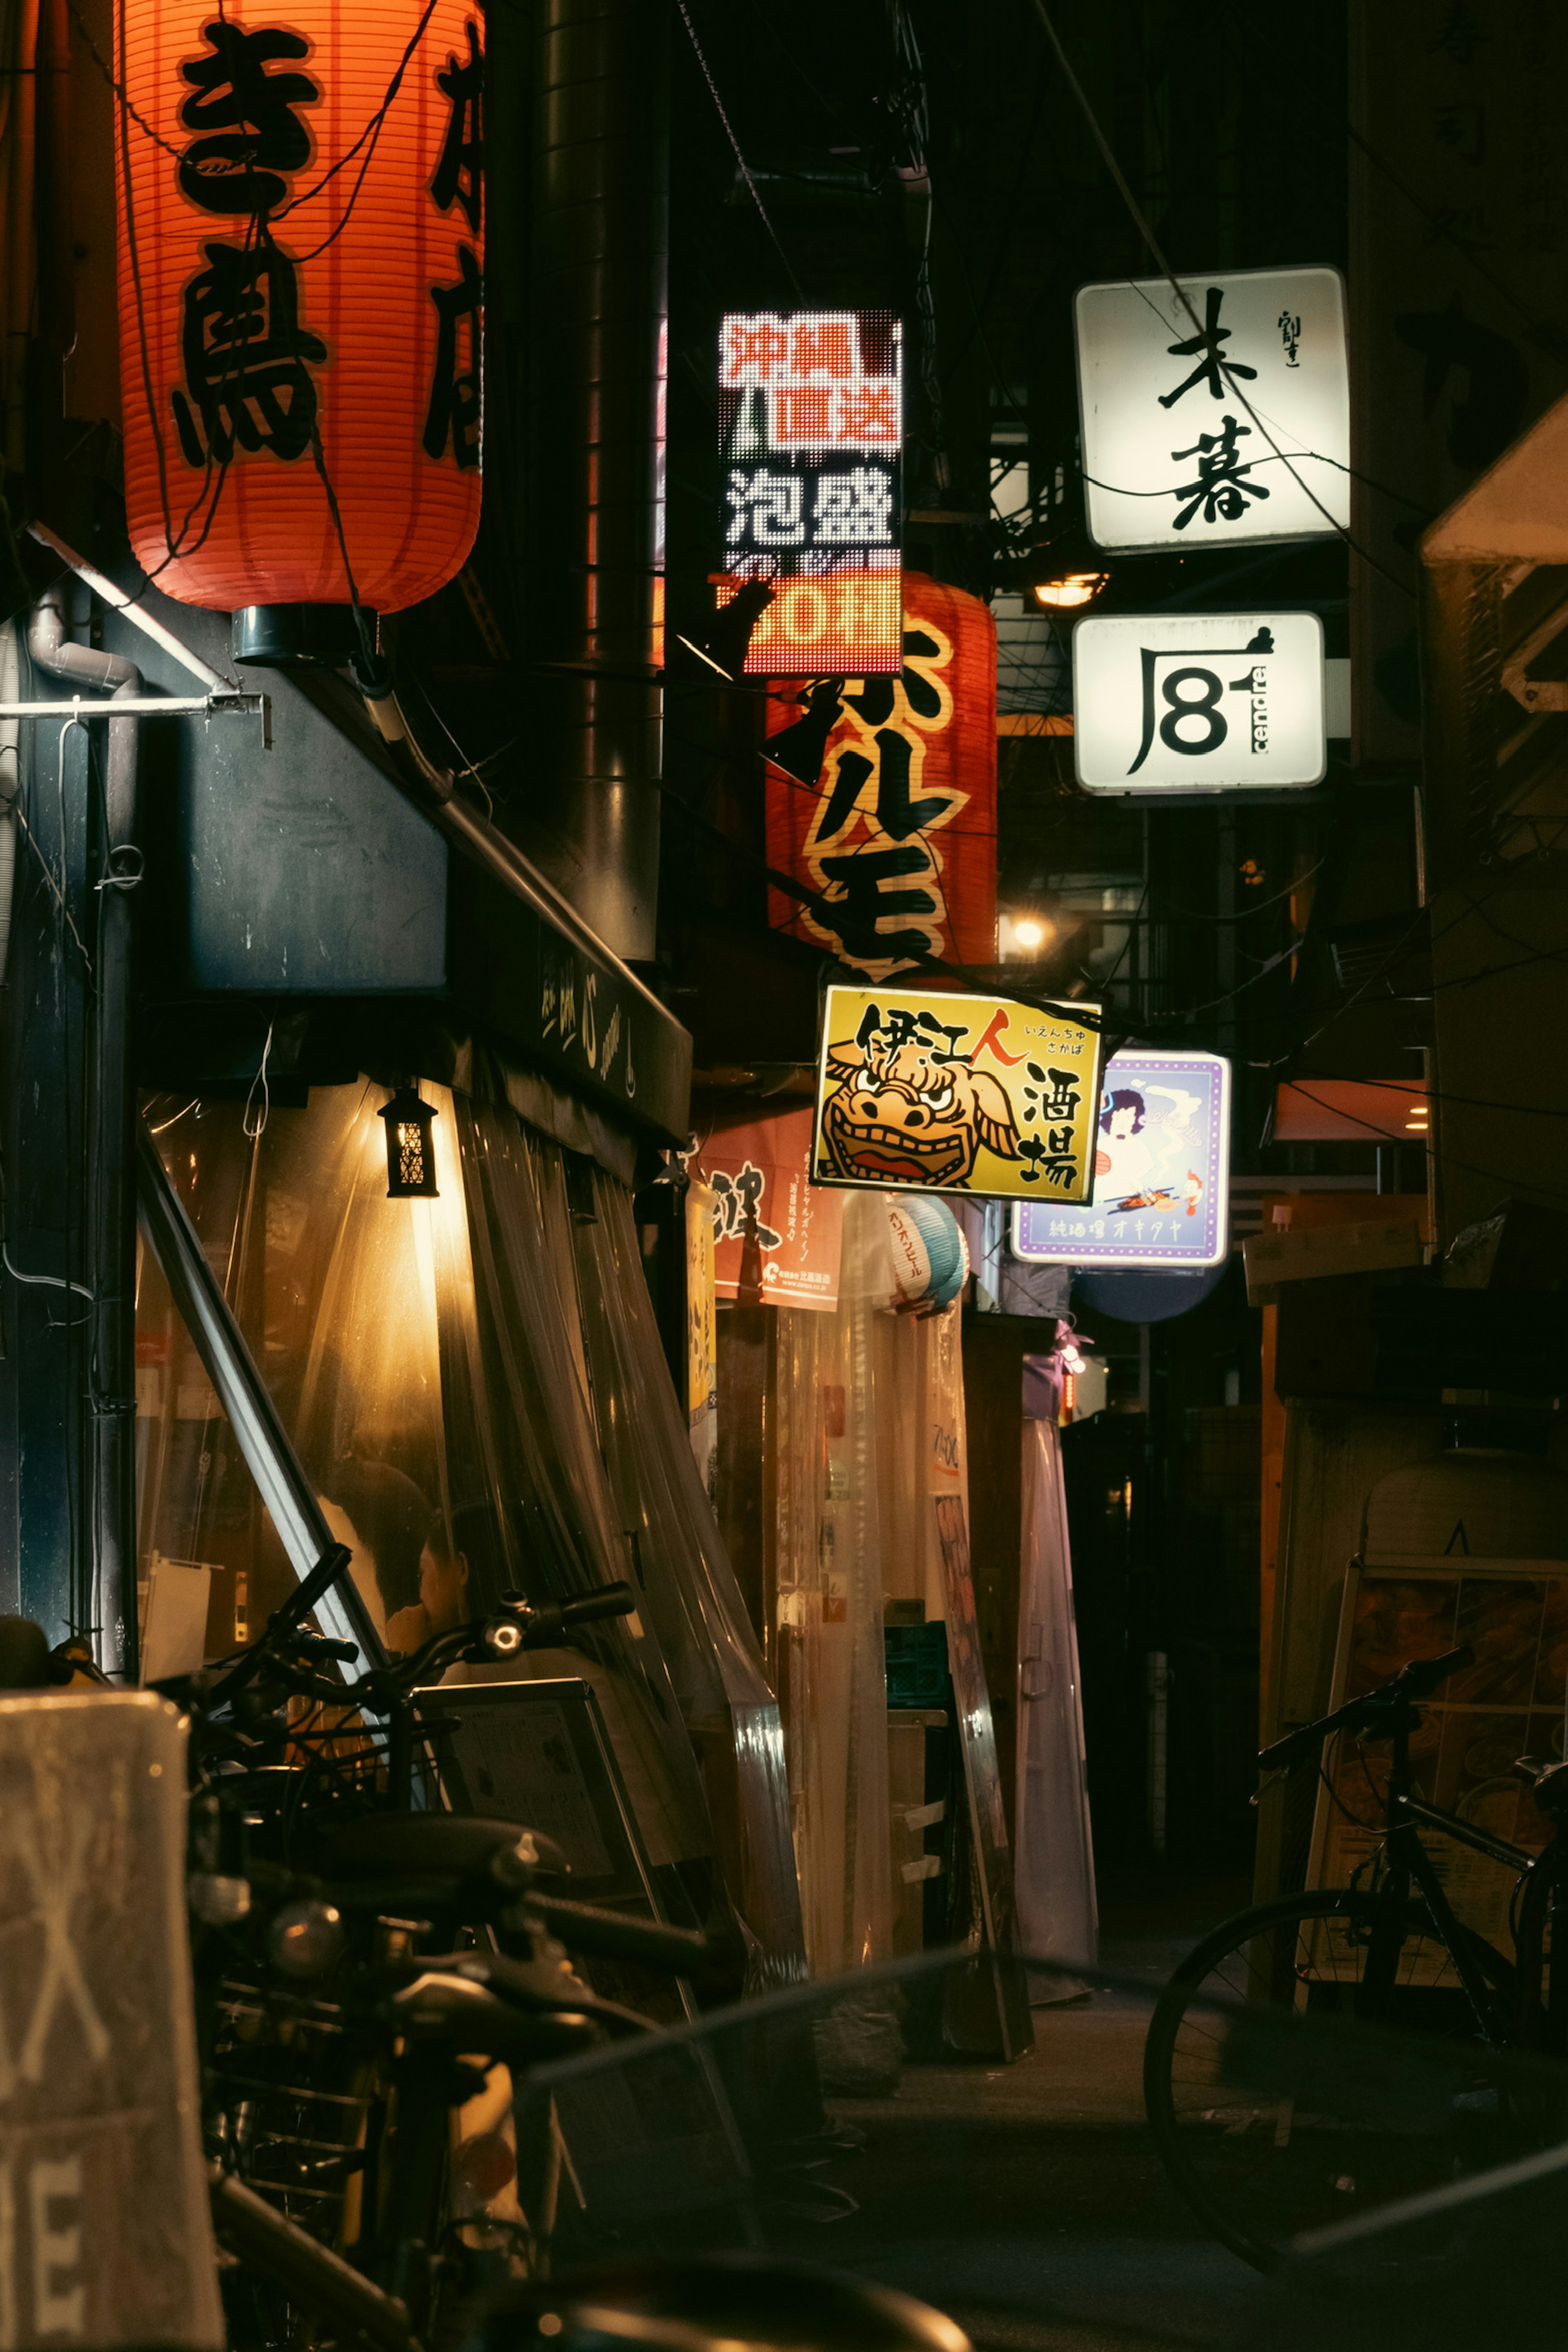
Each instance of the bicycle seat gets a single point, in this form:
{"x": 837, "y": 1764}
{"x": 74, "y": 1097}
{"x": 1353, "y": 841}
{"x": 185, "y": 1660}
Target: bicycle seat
{"x": 441, "y": 2005}
{"x": 455, "y": 1846}
{"x": 740, "y": 2303}
{"x": 1548, "y": 1782}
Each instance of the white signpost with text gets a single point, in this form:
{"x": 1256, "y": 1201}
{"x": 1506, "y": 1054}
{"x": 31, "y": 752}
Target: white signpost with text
{"x": 1198, "y": 702}
{"x": 1216, "y": 421}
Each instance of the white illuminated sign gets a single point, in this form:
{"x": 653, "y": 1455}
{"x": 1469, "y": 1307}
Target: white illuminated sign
{"x": 1198, "y": 702}
{"x": 1207, "y": 427}
{"x": 1161, "y": 1172}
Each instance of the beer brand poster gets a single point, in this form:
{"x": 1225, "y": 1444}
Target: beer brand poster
{"x": 881, "y": 795}
{"x": 957, "y": 1094}
{"x": 764, "y": 1167}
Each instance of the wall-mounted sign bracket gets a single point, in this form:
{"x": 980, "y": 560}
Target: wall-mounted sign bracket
{"x": 152, "y": 706}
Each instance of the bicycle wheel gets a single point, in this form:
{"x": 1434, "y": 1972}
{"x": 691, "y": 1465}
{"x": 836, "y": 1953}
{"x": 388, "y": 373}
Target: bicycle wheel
{"x": 1268, "y": 2135}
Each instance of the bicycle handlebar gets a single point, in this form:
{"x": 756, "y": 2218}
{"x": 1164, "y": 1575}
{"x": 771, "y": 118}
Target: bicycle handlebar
{"x": 616, "y": 1935}
{"x": 1417, "y": 1681}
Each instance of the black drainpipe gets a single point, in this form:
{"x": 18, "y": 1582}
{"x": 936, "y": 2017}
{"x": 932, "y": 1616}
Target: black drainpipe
{"x": 592, "y": 556}
{"x": 109, "y": 1603}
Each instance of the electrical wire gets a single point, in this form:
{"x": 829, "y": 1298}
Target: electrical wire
{"x": 1383, "y": 1135}
{"x": 1319, "y": 456}
{"x": 1151, "y": 241}
{"x": 254, "y": 1128}
{"x": 739, "y": 159}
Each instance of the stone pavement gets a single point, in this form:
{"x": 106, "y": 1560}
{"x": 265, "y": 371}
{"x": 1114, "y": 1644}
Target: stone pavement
{"x": 1027, "y": 2201}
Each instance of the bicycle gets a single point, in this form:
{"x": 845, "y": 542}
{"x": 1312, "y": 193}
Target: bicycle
{"x": 1264, "y": 2151}
{"x": 363, "y": 1967}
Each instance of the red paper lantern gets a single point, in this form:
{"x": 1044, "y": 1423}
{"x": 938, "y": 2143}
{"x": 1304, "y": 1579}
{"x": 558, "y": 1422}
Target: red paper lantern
{"x": 301, "y": 257}
{"x": 891, "y": 815}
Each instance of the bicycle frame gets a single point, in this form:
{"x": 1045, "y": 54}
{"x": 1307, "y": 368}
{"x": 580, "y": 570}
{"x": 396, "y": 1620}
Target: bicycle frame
{"x": 1483, "y": 1971}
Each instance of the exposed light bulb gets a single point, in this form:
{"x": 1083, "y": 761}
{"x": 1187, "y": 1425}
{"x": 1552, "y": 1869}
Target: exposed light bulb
{"x": 1073, "y": 590}
{"x": 1028, "y": 933}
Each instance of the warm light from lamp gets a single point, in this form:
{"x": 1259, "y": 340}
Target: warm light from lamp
{"x": 410, "y": 1158}
{"x": 1028, "y": 933}
{"x": 1071, "y": 591}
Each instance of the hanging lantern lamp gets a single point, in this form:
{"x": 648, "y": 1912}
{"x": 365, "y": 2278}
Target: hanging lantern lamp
{"x": 301, "y": 253}
{"x": 410, "y": 1150}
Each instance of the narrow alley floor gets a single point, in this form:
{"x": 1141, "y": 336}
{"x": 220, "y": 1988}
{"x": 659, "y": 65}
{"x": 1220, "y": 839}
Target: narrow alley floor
{"x": 1027, "y": 2201}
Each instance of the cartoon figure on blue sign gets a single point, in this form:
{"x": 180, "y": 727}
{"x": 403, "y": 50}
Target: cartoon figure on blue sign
{"x": 1140, "y": 1154}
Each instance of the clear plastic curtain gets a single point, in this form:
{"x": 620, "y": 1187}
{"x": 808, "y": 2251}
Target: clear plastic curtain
{"x": 826, "y": 1589}
{"x": 426, "y": 1357}
{"x": 690, "y": 1591}
{"x": 1053, "y": 1858}
{"x": 529, "y": 1398}
{"x": 335, "y": 1288}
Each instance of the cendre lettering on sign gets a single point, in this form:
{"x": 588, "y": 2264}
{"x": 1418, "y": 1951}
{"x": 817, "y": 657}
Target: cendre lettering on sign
{"x": 977, "y": 1095}
{"x": 105, "y": 2235}
{"x": 811, "y": 433}
{"x": 881, "y": 795}
{"x": 1186, "y": 702}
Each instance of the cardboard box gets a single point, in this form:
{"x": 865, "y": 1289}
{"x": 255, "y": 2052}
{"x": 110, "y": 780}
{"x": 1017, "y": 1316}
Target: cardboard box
{"x": 1314, "y": 1252}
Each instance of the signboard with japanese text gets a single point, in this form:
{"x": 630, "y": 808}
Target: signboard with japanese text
{"x": 764, "y": 1168}
{"x": 263, "y": 358}
{"x": 1218, "y": 420}
{"x": 103, "y": 2195}
{"x": 1161, "y": 1171}
{"x": 957, "y": 1094}
{"x": 881, "y": 795}
{"x": 811, "y": 434}
{"x": 1198, "y": 702}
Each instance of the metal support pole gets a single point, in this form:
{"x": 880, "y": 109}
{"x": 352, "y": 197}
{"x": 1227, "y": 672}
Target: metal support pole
{"x": 107, "y": 1606}
{"x": 285, "y": 1486}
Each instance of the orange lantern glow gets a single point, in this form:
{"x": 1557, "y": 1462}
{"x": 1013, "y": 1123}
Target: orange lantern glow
{"x": 300, "y": 258}
{"x": 881, "y": 795}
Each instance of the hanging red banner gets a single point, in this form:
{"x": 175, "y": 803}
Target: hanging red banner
{"x": 882, "y": 796}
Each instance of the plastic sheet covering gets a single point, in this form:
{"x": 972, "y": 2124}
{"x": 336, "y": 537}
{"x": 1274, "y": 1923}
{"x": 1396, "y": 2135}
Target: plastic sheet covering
{"x": 537, "y": 1447}
{"x": 107, "y": 2238}
{"x": 1053, "y": 1858}
{"x": 336, "y": 1289}
{"x": 835, "y": 1457}
{"x": 680, "y": 1564}
{"x": 919, "y": 1369}
{"x": 426, "y": 1359}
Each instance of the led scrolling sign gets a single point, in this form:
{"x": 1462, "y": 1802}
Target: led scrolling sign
{"x": 811, "y": 434}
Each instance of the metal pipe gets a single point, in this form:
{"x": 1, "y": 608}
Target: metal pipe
{"x": 280, "y": 1477}
{"x": 10, "y": 781}
{"x": 134, "y": 611}
{"x": 593, "y": 459}
{"x": 111, "y": 1378}
{"x": 433, "y": 791}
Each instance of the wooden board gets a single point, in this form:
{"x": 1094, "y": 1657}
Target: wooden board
{"x": 988, "y": 2003}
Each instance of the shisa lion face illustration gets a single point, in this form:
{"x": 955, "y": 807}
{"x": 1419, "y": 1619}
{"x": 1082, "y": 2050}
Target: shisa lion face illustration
{"x": 906, "y": 1113}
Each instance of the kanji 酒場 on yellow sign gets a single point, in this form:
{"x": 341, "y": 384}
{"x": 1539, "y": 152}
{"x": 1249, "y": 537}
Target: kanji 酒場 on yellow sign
{"x": 957, "y": 1094}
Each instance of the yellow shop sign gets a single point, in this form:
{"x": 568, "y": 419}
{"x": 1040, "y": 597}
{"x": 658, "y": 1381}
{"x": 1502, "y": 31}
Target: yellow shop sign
{"x": 957, "y": 1094}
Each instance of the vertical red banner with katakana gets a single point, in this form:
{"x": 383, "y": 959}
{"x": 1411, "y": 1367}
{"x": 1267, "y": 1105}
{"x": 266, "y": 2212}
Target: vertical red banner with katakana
{"x": 881, "y": 795}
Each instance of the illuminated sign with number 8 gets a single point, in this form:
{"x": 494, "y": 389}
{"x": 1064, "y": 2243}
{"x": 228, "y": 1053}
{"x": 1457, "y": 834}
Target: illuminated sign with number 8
{"x": 1198, "y": 701}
